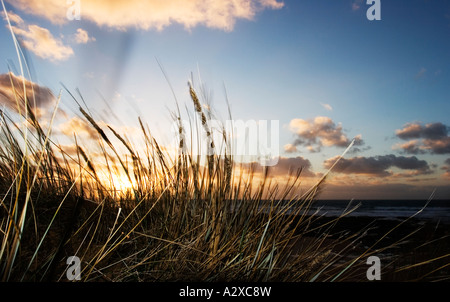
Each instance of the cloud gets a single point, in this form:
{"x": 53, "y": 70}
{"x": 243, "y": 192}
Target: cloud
{"x": 12, "y": 93}
{"x": 356, "y": 5}
{"x": 82, "y": 37}
{"x": 42, "y": 43}
{"x": 421, "y": 73}
{"x": 292, "y": 164}
{"x": 378, "y": 165}
{"x": 430, "y": 138}
{"x": 411, "y": 130}
{"x": 284, "y": 166}
{"x": 411, "y": 147}
{"x": 319, "y": 132}
{"x": 446, "y": 168}
{"x": 327, "y": 106}
{"x": 79, "y": 127}
{"x": 290, "y": 148}
{"x": 39, "y": 40}
{"x": 13, "y": 18}
{"x": 152, "y": 14}
{"x": 441, "y": 146}
{"x": 429, "y": 131}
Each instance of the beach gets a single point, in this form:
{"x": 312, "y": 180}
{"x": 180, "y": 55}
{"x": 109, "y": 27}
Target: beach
{"x": 409, "y": 249}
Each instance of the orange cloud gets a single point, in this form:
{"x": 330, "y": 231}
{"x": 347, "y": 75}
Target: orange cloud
{"x": 12, "y": 93}
{"x": 13, "y": 18}
{"x": 411, "y": 147}
{"x": 290, "y": 148}
{"x": 446, "y": 168}
{"x": 82, "y": 37}
{"x": 78, "y": 126}
{"x": 152, "y": 14}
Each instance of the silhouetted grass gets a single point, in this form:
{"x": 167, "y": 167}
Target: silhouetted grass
{"x": 183, "y": 218}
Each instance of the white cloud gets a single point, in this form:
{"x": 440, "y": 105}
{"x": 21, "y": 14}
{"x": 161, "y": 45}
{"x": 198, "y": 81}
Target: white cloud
{"x": 327, "y": 106}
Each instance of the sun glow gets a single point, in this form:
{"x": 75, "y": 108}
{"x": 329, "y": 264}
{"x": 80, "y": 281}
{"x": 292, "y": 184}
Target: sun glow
{"x": 121, "y": 184}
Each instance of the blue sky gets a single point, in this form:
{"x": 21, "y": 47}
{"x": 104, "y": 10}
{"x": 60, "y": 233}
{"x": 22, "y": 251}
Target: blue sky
{"x": 291, "y": 61}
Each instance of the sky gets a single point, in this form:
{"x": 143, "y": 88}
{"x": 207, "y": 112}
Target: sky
{"x": 321, "y": 68}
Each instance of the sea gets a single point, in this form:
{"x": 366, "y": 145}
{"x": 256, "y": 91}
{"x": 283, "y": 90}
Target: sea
{"x": 436, "y": 210}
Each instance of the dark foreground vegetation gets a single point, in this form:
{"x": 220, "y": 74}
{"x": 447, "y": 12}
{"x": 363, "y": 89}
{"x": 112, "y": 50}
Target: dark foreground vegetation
{"x": 184, "y": 219}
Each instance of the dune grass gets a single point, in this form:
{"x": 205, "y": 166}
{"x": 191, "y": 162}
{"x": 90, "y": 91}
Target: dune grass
{"x": 183, "y": 218}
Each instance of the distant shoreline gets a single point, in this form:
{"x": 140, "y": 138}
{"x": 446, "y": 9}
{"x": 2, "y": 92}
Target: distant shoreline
{"x": 435, "y": 210}
{"x": 403, "y": 243}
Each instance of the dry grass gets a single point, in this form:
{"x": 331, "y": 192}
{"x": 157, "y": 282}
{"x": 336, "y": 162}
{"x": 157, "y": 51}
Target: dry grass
{"x": 184, "y": 219}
